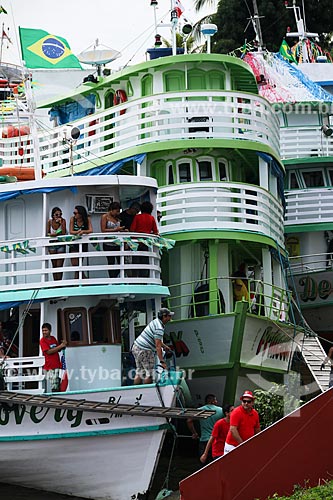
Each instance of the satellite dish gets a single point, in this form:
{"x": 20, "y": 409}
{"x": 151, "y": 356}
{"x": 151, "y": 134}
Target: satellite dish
{"x": 98, "y": 55}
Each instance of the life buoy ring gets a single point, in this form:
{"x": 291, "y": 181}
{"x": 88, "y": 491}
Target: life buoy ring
{"x": 118, "y": 98}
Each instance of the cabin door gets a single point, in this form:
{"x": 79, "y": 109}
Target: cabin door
{"x": 15, "y": 228}
{"x": 31, "y": 333}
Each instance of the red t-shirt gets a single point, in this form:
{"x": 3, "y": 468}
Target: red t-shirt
{"x": 52, "y": 361}
{"x": 220, "y": 431}
{"x": 144, "y": 223}
{"x": 245, "y": 422}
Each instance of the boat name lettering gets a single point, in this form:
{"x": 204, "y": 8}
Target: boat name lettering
{"x": 275, "y": 344}
{"x": 312, "y": 290}
{"x": 201, "y": 347}
{"x": 37, "y": 414}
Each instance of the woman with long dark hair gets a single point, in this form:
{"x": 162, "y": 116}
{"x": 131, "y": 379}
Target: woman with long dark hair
{"x": 56, "y": 226}
{"x": 79, "y": 225}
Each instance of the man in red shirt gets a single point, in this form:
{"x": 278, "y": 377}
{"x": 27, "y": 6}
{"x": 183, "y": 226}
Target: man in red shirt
{"x": 218, "y": 437}
{"x": 144, "y": 223}
{"x": 244, "y": 423}
{"x": 50, "y": 348}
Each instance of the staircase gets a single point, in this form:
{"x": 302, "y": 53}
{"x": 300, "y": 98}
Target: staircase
{"x": 313, "y": 355}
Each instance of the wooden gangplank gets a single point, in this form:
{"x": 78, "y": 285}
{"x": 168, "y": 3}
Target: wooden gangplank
{"x": 100, "y": 407}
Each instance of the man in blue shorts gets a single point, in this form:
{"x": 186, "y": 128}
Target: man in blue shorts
{"x": 148, "y": 344}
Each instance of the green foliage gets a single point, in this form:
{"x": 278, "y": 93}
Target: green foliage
{"x": 324, "y": 492}
{"x": 274, "y": 404}
{"x": 180, "y": 40}
{"x": 232, "y": 19}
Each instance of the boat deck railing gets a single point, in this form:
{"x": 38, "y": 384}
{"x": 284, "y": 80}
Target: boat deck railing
{"x": 27, "y": 264}
{"x": 304, "y": 142}
{"x": 309, "y": 206}
{"x": 311, "y": 263}
{"x": 220, "y": 206}
{"x": 208, "y": 297}
{"x": 158, "y": 118}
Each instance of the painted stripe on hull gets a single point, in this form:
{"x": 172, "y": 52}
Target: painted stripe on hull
{"x": 110, "y": 432}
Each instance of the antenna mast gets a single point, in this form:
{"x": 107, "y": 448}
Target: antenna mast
{"x": 256, "y": 25}
{"x": 301, "y": 33}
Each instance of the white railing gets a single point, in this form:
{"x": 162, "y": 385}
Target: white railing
{"x": 24, "y": 374}
{"x": 304, "y": 142}
{"x": 158, "y": 118}
{"x": 309, "y": 206}
{"x": 222, "y": 206}
{"x": 311, "y": 263}
{"x": 27, "y": 264}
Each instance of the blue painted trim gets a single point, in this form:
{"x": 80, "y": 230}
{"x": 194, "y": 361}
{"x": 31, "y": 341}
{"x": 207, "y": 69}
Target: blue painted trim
{"x": 129, "y": 430}
{"x": 75, "y": 291}
{"x": 173, "y": 378}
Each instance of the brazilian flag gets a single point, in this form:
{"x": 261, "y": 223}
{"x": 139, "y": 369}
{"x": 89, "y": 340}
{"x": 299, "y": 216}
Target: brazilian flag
{"x": 42, "y": 50}
{"x": 286, "y": 53}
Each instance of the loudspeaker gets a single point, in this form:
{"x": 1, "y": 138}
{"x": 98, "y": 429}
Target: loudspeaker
{"x": 327, "y": 130}
{"x": 187, "y": 28}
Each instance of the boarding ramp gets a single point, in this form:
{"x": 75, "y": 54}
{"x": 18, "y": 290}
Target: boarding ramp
{"x": 313, "y": 355}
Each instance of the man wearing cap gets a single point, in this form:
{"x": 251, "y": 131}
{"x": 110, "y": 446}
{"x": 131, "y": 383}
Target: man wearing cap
{"x": 148, "y": 344}
{"x": 244, "y": 423}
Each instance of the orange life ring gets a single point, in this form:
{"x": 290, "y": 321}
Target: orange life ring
{"x": 118, "y": 98}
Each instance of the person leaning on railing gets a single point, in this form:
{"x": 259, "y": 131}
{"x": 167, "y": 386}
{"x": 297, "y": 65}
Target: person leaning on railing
{"x": 110, "y": 223}
{"x": 79, "y": 225}
{"x": 329, "y": 359}
{"x": 56, "y": 226}
{"x": 144, "y": 223}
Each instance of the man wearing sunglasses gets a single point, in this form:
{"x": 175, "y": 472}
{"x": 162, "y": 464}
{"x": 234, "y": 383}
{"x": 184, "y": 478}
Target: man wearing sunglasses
{"x": 244, "y": 423}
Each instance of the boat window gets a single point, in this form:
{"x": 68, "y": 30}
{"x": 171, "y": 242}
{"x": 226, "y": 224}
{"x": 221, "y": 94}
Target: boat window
{"x": 170, "y": 179}
{"x": 205, "y": 170}
{"x": 216, "y": 80}
{"x": 75, "y": 320}
{"x": 293, "y": 182}
{"x": 196, "y": 80}
{"x": 184, "y": 170}
{"x": 313, "y": 178}
{"x": 104, "y": 325}
{"x": 174, "y": 81}
{"x": 306, "y": 118}
{"x": 223, "y": 171}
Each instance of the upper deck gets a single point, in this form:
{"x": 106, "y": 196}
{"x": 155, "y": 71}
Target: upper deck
{"x": 166, "y": 103}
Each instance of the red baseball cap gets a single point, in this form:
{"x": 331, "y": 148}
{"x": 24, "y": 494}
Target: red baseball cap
{"x": 247, "y": 394}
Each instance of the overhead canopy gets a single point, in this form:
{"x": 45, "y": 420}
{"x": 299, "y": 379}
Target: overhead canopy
{"x": 113, "y": 167}
{"x": 9, "y": 195}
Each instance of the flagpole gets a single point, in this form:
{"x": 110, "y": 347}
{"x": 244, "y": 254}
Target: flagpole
{"x": 174, "y": 22}
{"x": 1, "y": 46}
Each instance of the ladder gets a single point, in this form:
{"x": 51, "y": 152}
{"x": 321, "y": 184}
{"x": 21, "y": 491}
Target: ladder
{"x": 313, "y": 355}
{"x": 100, "y": 407}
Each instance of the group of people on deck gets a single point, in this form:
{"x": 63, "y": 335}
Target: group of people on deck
{"x": 136, "y": 218}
